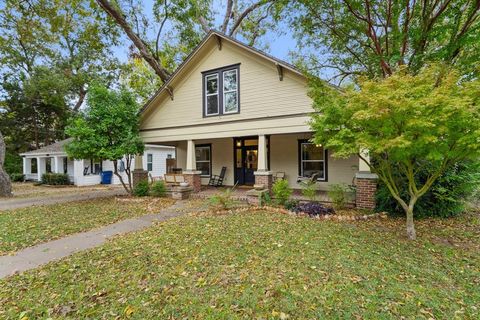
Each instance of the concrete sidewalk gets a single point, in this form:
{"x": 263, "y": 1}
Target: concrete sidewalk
{"x": 41, "y": 254}
{"x": 9, "y": 204}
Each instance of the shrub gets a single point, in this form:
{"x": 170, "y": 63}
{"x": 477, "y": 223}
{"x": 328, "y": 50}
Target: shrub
{"x": 55, "y": 179}
{"x": 141, "y": 189}
{"x": 291, "y": 204}
{"x": 222, "y": 200}
{"x": 17, "y": 177}
{"x": 338, "y": 195}
{"x": 264, "y": 199}
{"x": 313, "y": 209}
{"x": 13, "y": 162}
{"x": 309, "y": 189}
{"x": 281, "y": 191}
{"x": 447, "y": 196}
{"x": 158, "y": 189}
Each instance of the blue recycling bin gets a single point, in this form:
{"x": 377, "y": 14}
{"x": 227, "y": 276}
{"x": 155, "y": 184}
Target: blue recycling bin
{"x": 106, "y": 177}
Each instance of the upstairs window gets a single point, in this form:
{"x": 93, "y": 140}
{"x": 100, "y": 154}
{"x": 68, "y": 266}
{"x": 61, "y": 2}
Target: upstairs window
{"x": 211, "y": 94}
{"x": 221, "y": 91}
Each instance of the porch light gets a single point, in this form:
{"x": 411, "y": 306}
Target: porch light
{"x": 239, "y": 143}
{"x": 318, "y": 145}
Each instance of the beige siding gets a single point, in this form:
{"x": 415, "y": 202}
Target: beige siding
{"x": 283, "y": 157}
{"x": 222, "y": 156}
{"x": 262, "y": 95}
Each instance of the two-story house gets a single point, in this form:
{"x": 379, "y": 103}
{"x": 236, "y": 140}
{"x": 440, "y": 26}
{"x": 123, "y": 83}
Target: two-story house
{"x": 230, "y": 105}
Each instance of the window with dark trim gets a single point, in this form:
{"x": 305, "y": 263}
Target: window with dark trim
{"x": 203, "y": 159}
{"x": 149, "y": 162}
{"x": 33, "y": 165}
{"x": 312, "y": 159}
{"x": 95, "y": 166}
{"x": 48, "y": 165}
{"x": 221, "y": 91}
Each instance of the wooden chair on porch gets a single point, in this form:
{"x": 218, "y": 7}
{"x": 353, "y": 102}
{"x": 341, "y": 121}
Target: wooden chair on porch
{"x": 174, "y": 179}
{"x": 217, "y": 180}
{"x": 279, "y": 176}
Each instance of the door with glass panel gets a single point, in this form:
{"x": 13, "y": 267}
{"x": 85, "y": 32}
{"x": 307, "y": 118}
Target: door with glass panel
{"x": 246, "y": 160}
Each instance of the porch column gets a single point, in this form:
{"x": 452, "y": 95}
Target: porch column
{"x": 25, "y": 167}
{"x": 41, "y": 168}
{"x": 139, "y": 174}
{"x": 362, "y": 165}
{"x": 262, "y": 175}
{"x": 138, "y": 162}
{"x": 191, "y": 175}
{"x": 262, "y": 153}
{"x": 78, "y": 167}
{"x": 191, "y": 163}
{"x": 56, "y": 165}
{"x": 366, "y": 183}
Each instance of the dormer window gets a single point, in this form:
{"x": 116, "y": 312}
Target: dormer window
{"x": 221, "y": 91}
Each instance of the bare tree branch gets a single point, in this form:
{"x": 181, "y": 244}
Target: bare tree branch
{"x": 143, "y": 48}
{"x": 204, "y": 24}
{"x": 245, "y": 13}
{"x": 228, "y": 14}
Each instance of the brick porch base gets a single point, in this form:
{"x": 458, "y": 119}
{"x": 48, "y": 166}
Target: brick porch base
{"x": 366, "y": 187}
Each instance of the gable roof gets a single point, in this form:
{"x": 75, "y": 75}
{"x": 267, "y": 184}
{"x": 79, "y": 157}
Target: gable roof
{"x": 198, "y": 48}
{"x": 57, "y": 147}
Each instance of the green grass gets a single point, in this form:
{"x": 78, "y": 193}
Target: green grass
{"x": 262, "y": 266}
{"x": 25, "y": 227}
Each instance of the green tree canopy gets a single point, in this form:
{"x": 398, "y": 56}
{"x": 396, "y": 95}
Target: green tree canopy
{"x": 405, "y": 121}
{"x": 374, "y": 38}
{"x": 108, "y": 129}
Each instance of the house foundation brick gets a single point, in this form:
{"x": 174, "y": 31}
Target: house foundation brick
{"x": 264, "y": 178}
{"x": 194, "y": 179}
{"x": 366, "y": 183}
{"x": 139, "y": 175}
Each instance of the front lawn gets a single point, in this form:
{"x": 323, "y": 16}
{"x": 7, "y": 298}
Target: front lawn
{"x": 25, "y": 227}
{"x": 31, "y": 190}
{"x": 262, "y": 266}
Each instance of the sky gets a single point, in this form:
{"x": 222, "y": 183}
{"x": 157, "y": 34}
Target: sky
{"x": 280, "y": 44}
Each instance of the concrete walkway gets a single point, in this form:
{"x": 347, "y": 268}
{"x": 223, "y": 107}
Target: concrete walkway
{"x": 41, "y": 254}
{"x": 8, "y": 204}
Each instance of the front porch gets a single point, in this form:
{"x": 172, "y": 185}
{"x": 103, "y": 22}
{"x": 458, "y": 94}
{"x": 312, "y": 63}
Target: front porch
{"x": 256, "y": 160}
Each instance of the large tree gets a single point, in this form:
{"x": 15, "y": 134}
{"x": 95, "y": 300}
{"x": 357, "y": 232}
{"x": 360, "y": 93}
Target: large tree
{"x": 5, "y": 183}
{"x": 406, "y": 122}
{"x": 50, "y": 51}
{"x": 180, "y": 24}
{"x": 375, "y": 37}
{"x": 107, "y": 130}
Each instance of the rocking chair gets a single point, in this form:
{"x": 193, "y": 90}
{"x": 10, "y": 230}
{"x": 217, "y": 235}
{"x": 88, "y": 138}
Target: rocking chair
{"x": 217, "y": 180}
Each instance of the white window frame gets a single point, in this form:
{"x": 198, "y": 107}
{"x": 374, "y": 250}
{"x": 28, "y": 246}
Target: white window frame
{"x": 324, "y": 178}
{"x": 150, "y": 162}
{"x": 229, "y": 91}
{"x": 209, "y": 147}
{"x": 215, "y": 75}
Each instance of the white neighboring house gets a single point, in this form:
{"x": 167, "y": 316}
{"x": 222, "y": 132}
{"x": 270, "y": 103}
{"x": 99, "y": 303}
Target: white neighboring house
{"x": 53, "y": 158}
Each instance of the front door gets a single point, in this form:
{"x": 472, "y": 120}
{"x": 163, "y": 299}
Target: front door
{"x": 246, "y": 160}
{"x": 246, "y": 152}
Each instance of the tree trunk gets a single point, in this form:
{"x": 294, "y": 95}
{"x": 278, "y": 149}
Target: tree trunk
{"x": 412, "y": 235}
{"x": 5, "y": 184}
{"x": 115, "y": 171}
